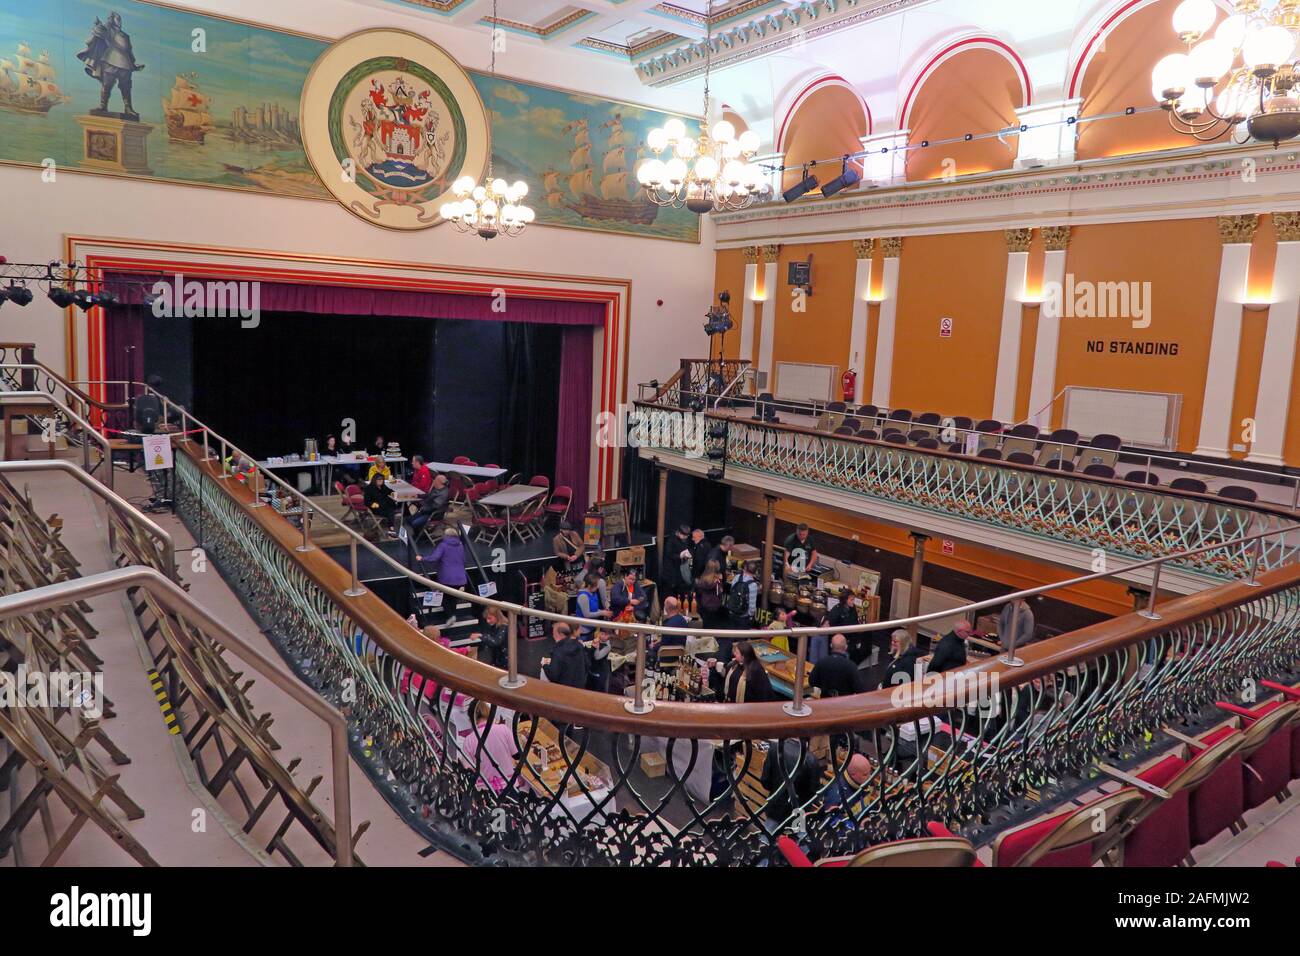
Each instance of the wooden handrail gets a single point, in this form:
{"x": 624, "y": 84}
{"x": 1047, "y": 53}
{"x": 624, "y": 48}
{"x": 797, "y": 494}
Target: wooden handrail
{"x": 713, "y": 721}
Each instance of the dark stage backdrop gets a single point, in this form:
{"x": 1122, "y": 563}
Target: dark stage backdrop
{"x": 440, "y": 387}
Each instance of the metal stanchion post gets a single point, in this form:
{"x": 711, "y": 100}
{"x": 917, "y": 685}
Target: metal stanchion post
{"x": 796, "y": 707}
{"x": 1258, "y": 552}
{"x": 257, "y": 489}
{"x": 639, "y": 704}
{"x": 512, "y": 680}
{"x": 356, "y": 590}
{"x": 1150, "y": 612}
{"x": 306, "y": 526}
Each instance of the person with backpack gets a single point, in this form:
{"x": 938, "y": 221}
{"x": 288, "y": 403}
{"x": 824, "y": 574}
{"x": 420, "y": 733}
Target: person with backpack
{"x": 742, "y": 598}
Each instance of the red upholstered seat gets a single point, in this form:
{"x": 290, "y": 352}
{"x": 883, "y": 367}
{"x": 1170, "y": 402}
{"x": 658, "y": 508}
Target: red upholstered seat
{"x": 1267, "y": 770}
{"x": 1164, "y": 837}
{"x": 1220, "y": 801}
{"x": 1290, "y": 693}
{"x": 1014, "y": 844}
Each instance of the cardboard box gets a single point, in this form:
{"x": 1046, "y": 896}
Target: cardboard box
{"x": 653, "y": 765}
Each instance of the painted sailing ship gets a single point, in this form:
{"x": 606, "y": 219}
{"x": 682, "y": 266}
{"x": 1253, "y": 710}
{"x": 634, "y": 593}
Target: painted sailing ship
{"x": 27, "y": 84}
{"x": 612, "y": 192}
{"x": 187, "y": 111}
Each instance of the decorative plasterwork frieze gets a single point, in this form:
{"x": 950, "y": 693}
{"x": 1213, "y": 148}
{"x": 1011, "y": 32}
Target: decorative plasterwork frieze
{"x": 864, "y": 247}
{"x": 1054, "y": 191}
{"x": 770, "y": 31}
{"x": 1287, "y": 226}
{"x": 1019, "y": 240}
{"x": 1238, "y": 230}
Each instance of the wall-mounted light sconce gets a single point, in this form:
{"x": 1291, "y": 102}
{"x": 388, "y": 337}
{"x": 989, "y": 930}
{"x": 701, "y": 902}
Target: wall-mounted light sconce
{"x": 1032, "y": 303}
{"x": 874, "y": 298}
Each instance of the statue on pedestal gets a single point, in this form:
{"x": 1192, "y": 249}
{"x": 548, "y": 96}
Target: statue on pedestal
{"x": 109, "y": 58}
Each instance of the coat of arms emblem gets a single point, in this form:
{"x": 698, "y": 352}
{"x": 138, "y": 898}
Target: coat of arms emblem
{"x": 390, "y": 122}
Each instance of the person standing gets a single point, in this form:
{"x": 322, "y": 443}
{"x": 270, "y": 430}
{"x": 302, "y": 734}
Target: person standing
{"x": 494, "y": 639}
{"x": 1016, "y": 620}
{"x": 835, "y": 675}
{"x": 950, "y": 652}
{"x": 700, "y": 549}
{"x": 628, "y": 593}
{"x": 448, "y": 560}
{"x": 567, "y": 664}
{"x": 673, "y": 581}
{"x": 708, "y": 596}
{"x": 590, "y": 606}
{"x": 800, "y": 552}
{"x": 742, "y": 598}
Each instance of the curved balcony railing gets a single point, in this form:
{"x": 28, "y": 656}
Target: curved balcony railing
{"x": 496, "y": 766}
{"x": 1118, "y": 517}
{"x": 62, "y": 422}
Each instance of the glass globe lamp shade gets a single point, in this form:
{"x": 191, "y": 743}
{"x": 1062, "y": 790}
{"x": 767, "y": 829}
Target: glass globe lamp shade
{"x": 1194, "y": 17}
{"x": 1266, "y": 49}
{"x": 1210, "y": 60}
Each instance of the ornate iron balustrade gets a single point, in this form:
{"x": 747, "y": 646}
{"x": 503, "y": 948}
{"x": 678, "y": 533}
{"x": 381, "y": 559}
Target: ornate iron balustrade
{"x": 1115, "y": 516}
{"x": 548, "y": 774}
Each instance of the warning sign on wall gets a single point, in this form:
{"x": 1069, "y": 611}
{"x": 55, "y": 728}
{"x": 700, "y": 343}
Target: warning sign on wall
{"x": 945, "y": 328}
{"x": 157, "y": 451}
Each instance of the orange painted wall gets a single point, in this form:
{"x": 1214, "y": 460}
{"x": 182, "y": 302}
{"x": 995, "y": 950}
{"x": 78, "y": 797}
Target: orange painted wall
{"x": 829, "y": 123}
{"x": 974, "y": 92}
{"x": 729, "y": 274}
{"x": 961, "y": 276}
{"x": 1119, "y": 76}
{"x": 1104, "y": 596}
{"x": 1182, "y": 310}
{"x": 821, "y": 334}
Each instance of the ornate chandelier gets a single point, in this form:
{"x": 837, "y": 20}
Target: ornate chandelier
{"x": 1245, "y": 73}
{"x": 496, "y": 207}
{"x": 706, "y": 173}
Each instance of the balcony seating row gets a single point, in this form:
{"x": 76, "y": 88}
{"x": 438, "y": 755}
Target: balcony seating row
{"x": 1172, "y": 806}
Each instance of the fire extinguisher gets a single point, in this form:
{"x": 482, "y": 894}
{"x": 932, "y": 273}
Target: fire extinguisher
{"x": 849, "y": 385}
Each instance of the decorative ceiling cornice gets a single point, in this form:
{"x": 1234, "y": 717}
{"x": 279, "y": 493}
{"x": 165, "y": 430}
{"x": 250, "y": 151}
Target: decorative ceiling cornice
{"x": 766, "y": 33}
{"x": 563, "y": 23}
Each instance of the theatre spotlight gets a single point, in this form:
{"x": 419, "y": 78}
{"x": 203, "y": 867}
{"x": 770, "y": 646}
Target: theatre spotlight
{"x": 849, "y": 176}
{"x": 806, "y": 185}
{"x": 17, "y": 294}
{"x": 716, "y": 454}
{"x": 715, "y": 474}
{"x": 83, "y": 300}
{"x": 60, "y": 296}
{"x": 718, "y": 318}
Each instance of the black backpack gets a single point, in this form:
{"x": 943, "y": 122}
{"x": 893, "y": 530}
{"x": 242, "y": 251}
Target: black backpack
{"x": 738, "y": 598}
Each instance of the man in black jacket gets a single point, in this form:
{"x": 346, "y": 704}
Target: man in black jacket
{"x": 950, "y": 652}
{"x": 700, "y": 549}
{"x": 835, "y": 675}
{"x": 567, "y": 664}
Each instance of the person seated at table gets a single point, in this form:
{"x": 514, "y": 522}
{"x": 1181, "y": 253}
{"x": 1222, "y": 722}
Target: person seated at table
{"x": 590, "y": 605}
{"x": 567, "y": 664}
{"x": 447, "y": 561}
{"x": 432, "y": 507}
{"x": 331, "y": 447}
{"x": 379, "y": 467}
{"x": 843, "y": 792}
{"x": 950, "y": 652}
{"x": 569, "y": 548}
{"x": 628, "y": 593}
{"x": 494, "y": 639}
{"x": 379, "y": 447}
{"x": 421, "y": 474}
{"x": 835, "y": 675}
{"x": 743, "y": 680}
{"x": 379, "y": 499}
